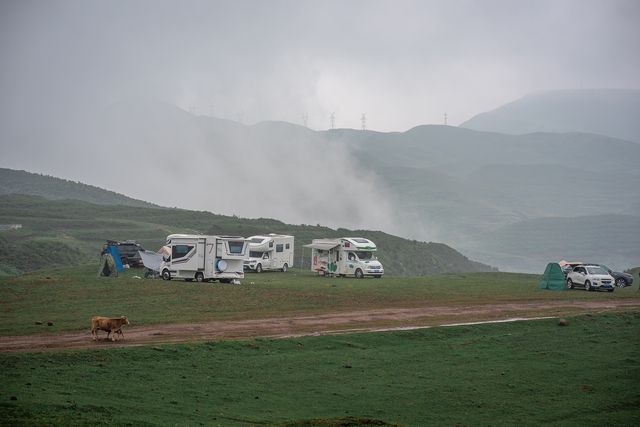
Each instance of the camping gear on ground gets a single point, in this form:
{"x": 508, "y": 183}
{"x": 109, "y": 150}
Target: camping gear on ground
{"x": 110, "y": 263}
{"x": 152, "y": 260}
{"x": 553, "y": 278}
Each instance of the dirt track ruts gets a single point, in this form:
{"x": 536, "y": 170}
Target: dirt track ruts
{"x": 364, "y": 320}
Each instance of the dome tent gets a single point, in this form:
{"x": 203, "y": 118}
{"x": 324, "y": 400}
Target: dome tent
{"x": 553, "y": 278}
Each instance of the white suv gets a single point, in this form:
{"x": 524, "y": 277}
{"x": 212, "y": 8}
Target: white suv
{"x": 590, "y": 277}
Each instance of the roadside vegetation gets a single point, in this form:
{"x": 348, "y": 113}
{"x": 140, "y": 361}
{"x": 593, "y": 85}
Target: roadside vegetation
{"x": 523, "y": 373}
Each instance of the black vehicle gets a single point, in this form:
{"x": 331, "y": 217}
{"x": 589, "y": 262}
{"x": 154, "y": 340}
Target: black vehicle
{"x": 621, "y": 279}
{"x": 128, "y": 250}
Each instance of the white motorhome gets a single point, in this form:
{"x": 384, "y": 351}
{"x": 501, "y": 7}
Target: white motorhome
{"x": 346, "y": 256}
{"x": 270, "y": 252}
{"x": 204, "y": 258}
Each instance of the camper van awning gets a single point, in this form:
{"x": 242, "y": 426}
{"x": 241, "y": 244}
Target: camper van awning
{"x": 323, "y": 246}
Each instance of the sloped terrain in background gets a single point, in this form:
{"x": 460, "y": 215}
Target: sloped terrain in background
{"x": 69, "y": 232}
{"x": 607, "y": 239}
{"x": 611, "y": 112}
{"x": 22, "y": 182}
{"x": 471, "y": 189}
{"x": 432, "y": 183}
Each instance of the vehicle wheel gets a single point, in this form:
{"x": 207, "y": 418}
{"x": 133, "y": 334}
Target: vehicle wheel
{"x": 166, "y": 275}
{"x": 285, "y": 268}
{"x": 359, "y": 274}
{"x": 587, "y": 285}
{"x": 620, "y": 282}
{"x": 569, "y": 283}
{"x": 199, "y": 277}
{"x": 259, "y": 268}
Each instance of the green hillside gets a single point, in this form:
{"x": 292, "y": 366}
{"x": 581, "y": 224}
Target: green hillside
{"x": 71, "y": 232}
{"x": 22, "y": 182}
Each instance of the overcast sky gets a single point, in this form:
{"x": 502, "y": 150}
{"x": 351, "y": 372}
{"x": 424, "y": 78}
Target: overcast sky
{"x": 403, "y": 63}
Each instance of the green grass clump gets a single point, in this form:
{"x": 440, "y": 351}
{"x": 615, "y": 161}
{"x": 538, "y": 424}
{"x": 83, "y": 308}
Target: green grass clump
{"x": 523, "y": 373}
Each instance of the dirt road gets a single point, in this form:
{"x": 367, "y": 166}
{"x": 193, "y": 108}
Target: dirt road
{"x": 366, "y": 320}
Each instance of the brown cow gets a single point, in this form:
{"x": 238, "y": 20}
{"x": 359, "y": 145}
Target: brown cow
{"x": 108, "y": 324}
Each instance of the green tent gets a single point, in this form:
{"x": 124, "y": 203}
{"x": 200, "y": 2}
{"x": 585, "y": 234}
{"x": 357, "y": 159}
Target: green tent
{"x": 553, "y": 278}
{"x": 107, "y": 266}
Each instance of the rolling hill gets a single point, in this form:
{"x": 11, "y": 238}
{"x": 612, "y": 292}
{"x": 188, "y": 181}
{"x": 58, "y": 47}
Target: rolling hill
{"x": 453, "y": 185}
{"x": 611, "y": 112}
{"x": 70, "y": 232}
{"x": 475, "y": 189}
{"x": 22, "y": 182}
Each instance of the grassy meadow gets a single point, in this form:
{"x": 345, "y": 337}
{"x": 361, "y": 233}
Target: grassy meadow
{"x": 522, "y": 373}
{"x": 69, "y": 297}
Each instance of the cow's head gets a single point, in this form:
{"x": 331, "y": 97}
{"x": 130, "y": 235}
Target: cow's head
{"x": 125, "y": 319}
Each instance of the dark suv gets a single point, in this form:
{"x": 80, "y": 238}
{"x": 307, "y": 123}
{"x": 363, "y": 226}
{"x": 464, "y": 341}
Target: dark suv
{"x": 622, "y": 279}
{"x": 128, "y": 250}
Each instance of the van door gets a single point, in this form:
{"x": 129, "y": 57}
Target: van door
{"x": 200, "y": 254}
{"x": 278, "y": 256}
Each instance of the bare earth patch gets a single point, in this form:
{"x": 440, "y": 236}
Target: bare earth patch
{"x": 363, "y": 320}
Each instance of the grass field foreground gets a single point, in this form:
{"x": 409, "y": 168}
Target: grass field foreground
{"x": 522, "y": 373}
{"x": 69, "y": 297}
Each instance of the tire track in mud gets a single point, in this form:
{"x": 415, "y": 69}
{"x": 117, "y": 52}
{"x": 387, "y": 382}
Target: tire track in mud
{"x": 321, "y": 324}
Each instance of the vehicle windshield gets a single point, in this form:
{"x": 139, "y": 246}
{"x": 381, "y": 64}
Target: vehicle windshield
{"x": 365, "y": 256}
{"x": 596, "y": 270}
{"x": 361, "y": 240}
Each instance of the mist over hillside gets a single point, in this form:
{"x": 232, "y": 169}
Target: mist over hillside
{"x": 432, "y": 183}
{"x": 157, "y": 152}
{"x": 610, "y": 112}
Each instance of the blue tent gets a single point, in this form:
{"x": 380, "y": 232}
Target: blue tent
{"x": 113, "y": 250}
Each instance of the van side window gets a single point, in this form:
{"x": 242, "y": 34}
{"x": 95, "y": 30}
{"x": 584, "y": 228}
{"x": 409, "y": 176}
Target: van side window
{"x": 180, "y": 251}
{"x": 279, "y": 248}
{"x": 270, "y": 244}
{"x": 235, "y": 247}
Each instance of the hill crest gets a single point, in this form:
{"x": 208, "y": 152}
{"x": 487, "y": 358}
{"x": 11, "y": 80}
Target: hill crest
{"x": 609, "y": 112}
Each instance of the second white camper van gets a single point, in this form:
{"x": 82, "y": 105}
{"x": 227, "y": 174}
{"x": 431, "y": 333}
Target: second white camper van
{"x": 270, "y": 252}
{"x": 204, "y": 258}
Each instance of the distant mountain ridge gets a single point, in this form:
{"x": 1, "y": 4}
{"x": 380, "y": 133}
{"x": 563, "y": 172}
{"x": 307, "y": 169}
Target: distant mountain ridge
{"x": 473, "y": 189}
{"x": 610, "y": 112}
{"x": 447, "y": 184}
{"x": 49, "y": 187}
